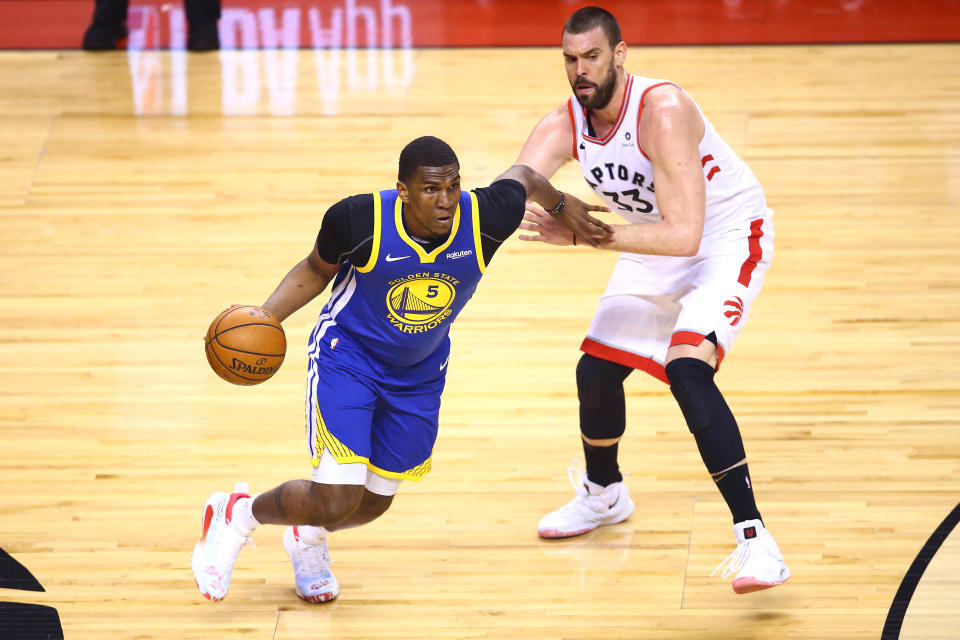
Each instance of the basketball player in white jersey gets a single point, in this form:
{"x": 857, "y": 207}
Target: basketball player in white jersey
{"x": 694, "y": 252}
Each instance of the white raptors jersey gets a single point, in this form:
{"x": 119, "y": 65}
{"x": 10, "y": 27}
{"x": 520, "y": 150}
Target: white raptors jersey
{"x": 621, "y": 174}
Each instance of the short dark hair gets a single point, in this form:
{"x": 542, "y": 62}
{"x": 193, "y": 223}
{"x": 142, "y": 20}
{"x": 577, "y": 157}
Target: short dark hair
{"x": 588, "y": 18}
{"x": 425, "y": 151}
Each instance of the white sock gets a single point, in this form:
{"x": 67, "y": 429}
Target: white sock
{"x": 311, "y": 535}
{"x": 243, "y": 518}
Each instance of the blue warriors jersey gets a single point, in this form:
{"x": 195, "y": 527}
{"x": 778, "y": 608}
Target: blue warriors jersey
{"x": 400, "y": 305}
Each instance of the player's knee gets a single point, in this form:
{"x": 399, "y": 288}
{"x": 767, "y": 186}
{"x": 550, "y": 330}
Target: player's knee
{"x": 705, "y": 351}
{"x": 331, "y": 503}
{"x": 373, "y": 505}
{"x": 691, "y": 383}
{"x": 599, "y": 382}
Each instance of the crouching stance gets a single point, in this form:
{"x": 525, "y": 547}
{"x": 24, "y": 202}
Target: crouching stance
{"x": 403, "y": 262}
{"x": 694, "y": 253}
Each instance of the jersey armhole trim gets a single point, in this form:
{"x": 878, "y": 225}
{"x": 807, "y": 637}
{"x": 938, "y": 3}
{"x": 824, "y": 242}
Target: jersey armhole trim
{"x": 477, "y": 243}
{"x": 643, "y": 96}
{"x": 375, "y": 247}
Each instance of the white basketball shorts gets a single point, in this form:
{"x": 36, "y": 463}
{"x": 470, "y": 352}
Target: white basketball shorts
{"x": 654, "y": 302}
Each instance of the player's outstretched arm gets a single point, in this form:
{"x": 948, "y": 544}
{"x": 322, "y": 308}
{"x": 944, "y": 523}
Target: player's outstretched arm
{"x": 568, "y": 210}
{"x": 550, "y": 143}
{"x": 302, "y": 284}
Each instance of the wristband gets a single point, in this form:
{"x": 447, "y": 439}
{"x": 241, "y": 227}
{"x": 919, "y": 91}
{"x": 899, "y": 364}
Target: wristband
{"x": 556, "y": 209}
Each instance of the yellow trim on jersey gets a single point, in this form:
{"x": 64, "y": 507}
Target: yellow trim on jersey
{"x": 424, "y": 256}
{"x": 478, "y": 245}
{"x": 324, "y": 440}
{"x": 375, "y": 249}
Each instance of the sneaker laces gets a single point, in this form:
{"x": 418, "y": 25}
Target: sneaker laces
{"x": 314, "y": 559}
{"x": 735, "y": 561}
{"x": 584, "y": 504}
{"x": 576, "y": 473}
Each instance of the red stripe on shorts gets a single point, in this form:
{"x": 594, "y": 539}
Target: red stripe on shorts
{"x": 625, "y": 358}
{"x": 694, "y": 338}
{"x": 756, "y": 252}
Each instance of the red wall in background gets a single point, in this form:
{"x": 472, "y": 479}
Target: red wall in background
{"x": 59, "y": 24}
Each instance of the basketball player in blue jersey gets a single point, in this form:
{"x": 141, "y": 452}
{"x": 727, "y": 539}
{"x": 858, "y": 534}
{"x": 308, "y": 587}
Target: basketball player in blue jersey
{"x": 403, "y": 262}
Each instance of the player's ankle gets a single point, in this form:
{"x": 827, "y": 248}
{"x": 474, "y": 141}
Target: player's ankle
{"x": 242, "y": 517}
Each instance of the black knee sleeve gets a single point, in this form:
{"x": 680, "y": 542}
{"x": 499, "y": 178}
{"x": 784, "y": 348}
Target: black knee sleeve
{"x": 706, "y": 412}
{"x": 691, "y": 383}
{"x": 602, "y": 404}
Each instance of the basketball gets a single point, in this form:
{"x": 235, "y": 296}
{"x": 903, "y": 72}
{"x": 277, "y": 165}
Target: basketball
{"x": 245, "y": 345}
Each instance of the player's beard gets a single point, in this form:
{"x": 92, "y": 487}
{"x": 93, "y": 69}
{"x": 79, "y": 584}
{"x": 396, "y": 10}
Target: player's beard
{"x": 602, "y": 93}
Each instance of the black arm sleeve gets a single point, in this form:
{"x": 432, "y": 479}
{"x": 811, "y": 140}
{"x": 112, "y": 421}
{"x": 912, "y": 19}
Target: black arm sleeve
{"x": 346, "y": 232}
{"x": 501, "y": 211}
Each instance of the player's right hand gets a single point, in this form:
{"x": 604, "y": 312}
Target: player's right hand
{"x": 560, "y": 229}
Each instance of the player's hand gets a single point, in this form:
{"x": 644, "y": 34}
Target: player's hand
{"x": 576, "y": 217}
{"x": 560, "y": 229}
{"x": 546, "y": 228}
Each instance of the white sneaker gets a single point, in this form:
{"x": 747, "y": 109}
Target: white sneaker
{"x": 594, "y": 506}
{"x": 757, "y": 558}
{"x": 219, "y": 546}
{"x": 311, "y": 568}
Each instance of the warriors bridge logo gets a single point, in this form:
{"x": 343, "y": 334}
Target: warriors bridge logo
{"x": 421, "y": 301}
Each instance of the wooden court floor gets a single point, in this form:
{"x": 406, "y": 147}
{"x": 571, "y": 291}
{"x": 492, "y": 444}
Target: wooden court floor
{"x": 142, "y": 193}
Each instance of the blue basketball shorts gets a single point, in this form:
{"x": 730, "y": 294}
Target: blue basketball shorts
{"x": 362, "y": 410}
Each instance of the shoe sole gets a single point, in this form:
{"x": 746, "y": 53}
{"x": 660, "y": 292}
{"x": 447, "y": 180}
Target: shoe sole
{"x": 319, "y": 598}
{"x": 554, "y": 534}
{"x": 749, "y": 585}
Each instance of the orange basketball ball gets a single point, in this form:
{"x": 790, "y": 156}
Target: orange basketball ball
{"x": 245, "y": 345}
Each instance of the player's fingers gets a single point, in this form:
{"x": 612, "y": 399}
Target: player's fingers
{"x": 534, "y": 207}
{"x": 600, "y": 240}
{"x": 597, "y": 207}
{"x": 531, "y": 217}
{"x": 526, "y": 226}
{"x": 531, "y": 238}
{"x": 600, "y": 225}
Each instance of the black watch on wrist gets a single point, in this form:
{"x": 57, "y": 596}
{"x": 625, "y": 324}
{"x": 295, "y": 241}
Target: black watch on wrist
{"x": 556, "y": 209}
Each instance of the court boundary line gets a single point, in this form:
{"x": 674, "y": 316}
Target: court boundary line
{"x": 901, "y": 601}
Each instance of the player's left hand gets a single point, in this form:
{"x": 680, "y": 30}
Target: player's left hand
{"x": 546, "y": 228}
{"x": 576, "y": 217}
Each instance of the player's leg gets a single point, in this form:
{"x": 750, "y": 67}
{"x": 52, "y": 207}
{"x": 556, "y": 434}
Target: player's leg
{"x": 340, "y": 416}
{"x": 202, "y": 17}
{"x": 713, "y": 314}
{"x": 307, "y": 545}
{"x": 601, "y": 496}
{"x": 757, "y": 561}
{"x": 340, "y": 403}
{"x": 632, "y": 324}
{"x": 690, "y": 370}
{"x": 108, "y": 26}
